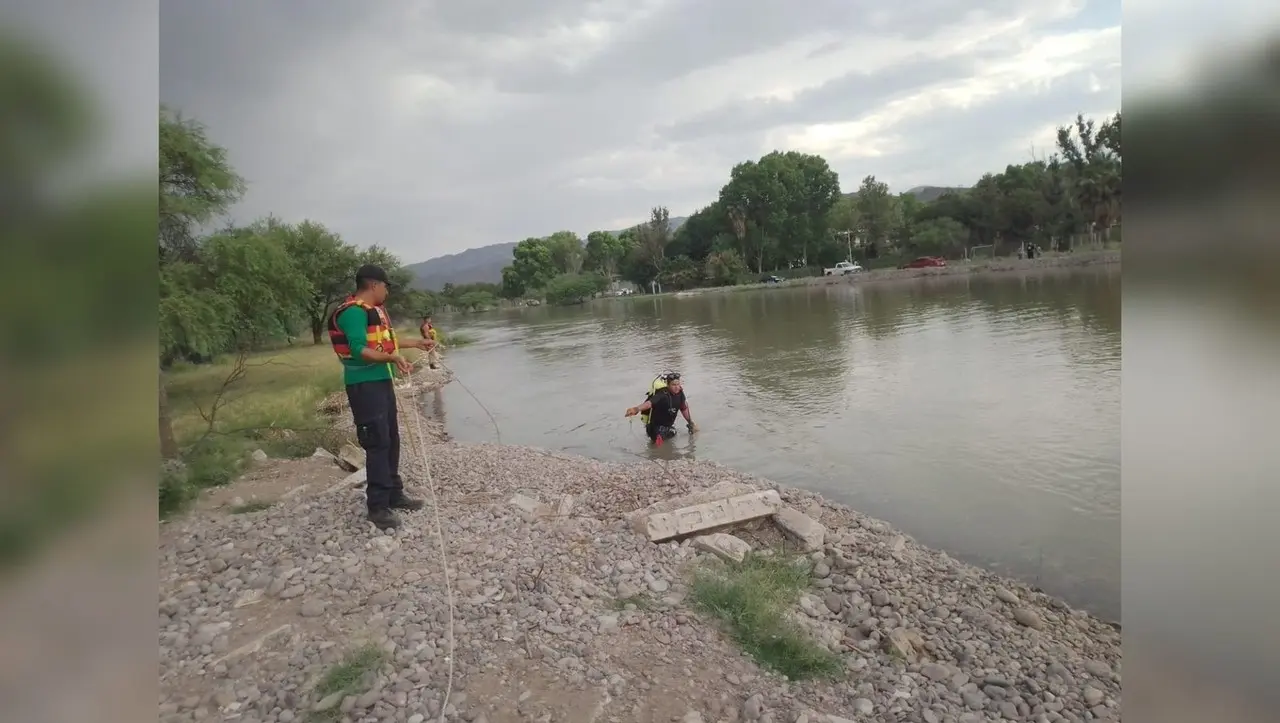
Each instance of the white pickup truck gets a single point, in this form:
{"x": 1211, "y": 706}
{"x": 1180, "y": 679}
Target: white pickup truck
{"x": 843, "y": 268}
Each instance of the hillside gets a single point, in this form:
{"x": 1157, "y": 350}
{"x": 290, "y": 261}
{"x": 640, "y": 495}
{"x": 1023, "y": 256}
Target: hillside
{"x": 485, "y": 264}
{"x": 480, "y": 265}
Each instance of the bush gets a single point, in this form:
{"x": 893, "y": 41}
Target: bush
{"x": 568, "y": 289}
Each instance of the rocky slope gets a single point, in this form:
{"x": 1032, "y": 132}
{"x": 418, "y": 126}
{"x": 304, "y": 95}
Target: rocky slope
{"x": 573, "y": 616}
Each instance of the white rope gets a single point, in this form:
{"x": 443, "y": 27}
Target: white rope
{"x": 439, "y": 530}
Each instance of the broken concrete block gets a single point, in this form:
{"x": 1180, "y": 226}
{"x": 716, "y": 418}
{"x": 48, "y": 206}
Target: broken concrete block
{"x": 664, "y": 526}
{"x": 639, "y": 520}
{"x": 723, "y": 545}
{"x": 529, "y": 508}
{"x": 351, "y": 458}
{"x": 565, "y": 506}
{"x": 259, "y": 456}
{"x": 808, "y": 532}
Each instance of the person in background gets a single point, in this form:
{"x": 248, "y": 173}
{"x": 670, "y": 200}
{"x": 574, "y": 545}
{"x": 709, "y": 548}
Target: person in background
{"x": 662, "y": 406}
{"x": 429, "y": 332}
{"x": 361, "y": 334}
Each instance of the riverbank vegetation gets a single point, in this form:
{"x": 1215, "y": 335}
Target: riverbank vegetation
{"x": 244, "y": 356}
{"x": 785, "y": 214}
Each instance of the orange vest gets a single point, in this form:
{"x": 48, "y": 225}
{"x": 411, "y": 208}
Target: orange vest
{"x": 378, "y": 333}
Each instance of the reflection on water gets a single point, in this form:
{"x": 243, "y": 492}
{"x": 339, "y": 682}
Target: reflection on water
{"x": 981, "y": 415}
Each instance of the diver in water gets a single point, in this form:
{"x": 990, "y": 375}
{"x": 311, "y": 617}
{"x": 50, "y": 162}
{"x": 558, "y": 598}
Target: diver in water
{"x": 659, "y": 409}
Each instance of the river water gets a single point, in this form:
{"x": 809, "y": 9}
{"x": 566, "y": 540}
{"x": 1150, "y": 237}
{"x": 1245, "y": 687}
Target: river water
{"x": 980, "y": 415}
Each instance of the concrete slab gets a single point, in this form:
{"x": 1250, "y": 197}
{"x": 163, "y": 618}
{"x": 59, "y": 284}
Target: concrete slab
{"x": 689, "y": 520}
{"x": 723, "y": 545}
{"x": 800, "y": 527}
{"x": 639, "y": 519}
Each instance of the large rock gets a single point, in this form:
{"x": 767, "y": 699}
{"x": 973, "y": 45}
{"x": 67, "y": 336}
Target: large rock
{"x": 529, "y": 508}
{"x": 723, "y": 545}
{"x": 351, "y": 458}
{"x": 804, "y": 529}
{"x": 690, "y": 520}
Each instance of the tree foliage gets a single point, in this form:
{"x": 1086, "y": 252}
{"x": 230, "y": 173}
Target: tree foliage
{"x": 785, "y": 210}
{"x": 242, "y": 286}
{"x": 573, "y": 288}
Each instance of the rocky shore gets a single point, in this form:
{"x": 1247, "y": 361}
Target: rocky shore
{"x": 279, "y": 603}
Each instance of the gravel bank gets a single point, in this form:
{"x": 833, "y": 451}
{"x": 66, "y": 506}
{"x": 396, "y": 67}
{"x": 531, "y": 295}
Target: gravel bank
{"x": 575, "y": 617}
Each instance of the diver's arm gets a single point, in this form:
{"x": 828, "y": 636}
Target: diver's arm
{"x": 644, "y": 407}
{"x": 688, "y": 418}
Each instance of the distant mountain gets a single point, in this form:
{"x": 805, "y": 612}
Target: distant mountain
{"x": 473, "y": 266}
{"x": 929, "y": 194}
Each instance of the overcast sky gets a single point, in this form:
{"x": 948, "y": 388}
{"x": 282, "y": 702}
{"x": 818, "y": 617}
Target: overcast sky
{"x": 432, "y": 127}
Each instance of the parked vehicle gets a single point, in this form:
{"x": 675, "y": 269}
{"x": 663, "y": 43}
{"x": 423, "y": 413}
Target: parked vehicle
{"x": 924, "y": 262}
{"x": 844, "y": 268}
{"x": 770, "y": 280}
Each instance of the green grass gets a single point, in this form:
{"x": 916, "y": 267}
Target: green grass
{"x": 453, "y": 340}
{"x": 269, "y": 402}
{"x": 350, "y": 676}
{"x": 250, "y": 507}
{"x": 752, "y": 599}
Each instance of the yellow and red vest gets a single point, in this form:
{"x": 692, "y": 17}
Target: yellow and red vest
{"x": 378, "y": 333}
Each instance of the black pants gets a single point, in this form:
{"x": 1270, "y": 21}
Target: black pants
{"x": 656, "y": 431}
{"x": 373, "y": 405}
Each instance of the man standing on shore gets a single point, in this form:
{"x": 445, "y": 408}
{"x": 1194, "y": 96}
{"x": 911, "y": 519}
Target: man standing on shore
{"x": 363, "y": 339}
{"x": 429, "y": 332}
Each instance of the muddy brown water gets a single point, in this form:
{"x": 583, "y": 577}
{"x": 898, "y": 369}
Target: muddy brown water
{"x": 979, "y": 414}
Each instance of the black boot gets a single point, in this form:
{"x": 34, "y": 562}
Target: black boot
{"x": 384, "y": 519}
{"x": 406, "y": 503}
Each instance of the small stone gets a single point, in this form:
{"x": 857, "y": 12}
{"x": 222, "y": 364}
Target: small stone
{"x": 821, "y": 570}
{"x": 753, "y": 707}
{"x": 659, "y": 586}
{"x": 692, "y": 716}
{"x": 312, "y": 609}
{"x": 328, "y": 702}
{"x": 292, "y": 592}
{"x": 864, "y": 706}
{"x": 834, "y": 602}
{"x": 1006, "y": 596}
{"x": 416, "y": 718}
{"x": 259, "y": 456}
{"x": 1093, "y": 696}
{"x": 1028, "y": 618}
{"x": 1097, "y": 668}
{"x": 936, "y": 671}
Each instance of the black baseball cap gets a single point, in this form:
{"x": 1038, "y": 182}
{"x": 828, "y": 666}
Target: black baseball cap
{"x": 372, "y": 273}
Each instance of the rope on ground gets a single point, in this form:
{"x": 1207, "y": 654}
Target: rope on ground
{"x": 439, "y": 532}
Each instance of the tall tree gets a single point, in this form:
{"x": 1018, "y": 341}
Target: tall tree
{"x": 329, "y": 266}
{"x": 196, "y": 185}
{"x": 875, "y": 214}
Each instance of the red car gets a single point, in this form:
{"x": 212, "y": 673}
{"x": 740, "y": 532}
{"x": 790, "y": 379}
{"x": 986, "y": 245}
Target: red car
{"x": 924, "y": 262}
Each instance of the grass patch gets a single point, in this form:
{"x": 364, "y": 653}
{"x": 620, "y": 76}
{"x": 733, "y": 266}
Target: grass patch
{"x": 350, "y": 676}
{"x": 752, "y": 598}
{"x": 250, "y": 507}
{"x": 223, "y": 411}
{"x": 453, "y": 340}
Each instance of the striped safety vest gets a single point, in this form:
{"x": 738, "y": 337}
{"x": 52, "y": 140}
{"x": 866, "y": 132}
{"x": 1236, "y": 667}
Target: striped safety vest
{"x": 378, "y": 333}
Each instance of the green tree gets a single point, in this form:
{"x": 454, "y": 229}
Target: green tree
{"x": 725, "y": 268}
{"x": 197, "y": 184}
{"x": 329, "y": 266}
{"x": 680, "y": 273}
{"x": 567, "y": 254}
{"x": 532, "y": 267}
{"x": 568, "y": 289}
{"x": 875, "y": 214}
{"x": 604, "y": 253}
{"x": 939, "y": 235}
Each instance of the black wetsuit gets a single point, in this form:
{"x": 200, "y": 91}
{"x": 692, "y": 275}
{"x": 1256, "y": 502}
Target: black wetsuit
{"x": 662, "y": 417}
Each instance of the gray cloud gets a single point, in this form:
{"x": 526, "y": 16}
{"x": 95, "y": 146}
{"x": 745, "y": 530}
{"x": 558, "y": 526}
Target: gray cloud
{"x": 848, "y": 96}
{"x": 523, "y": 127}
